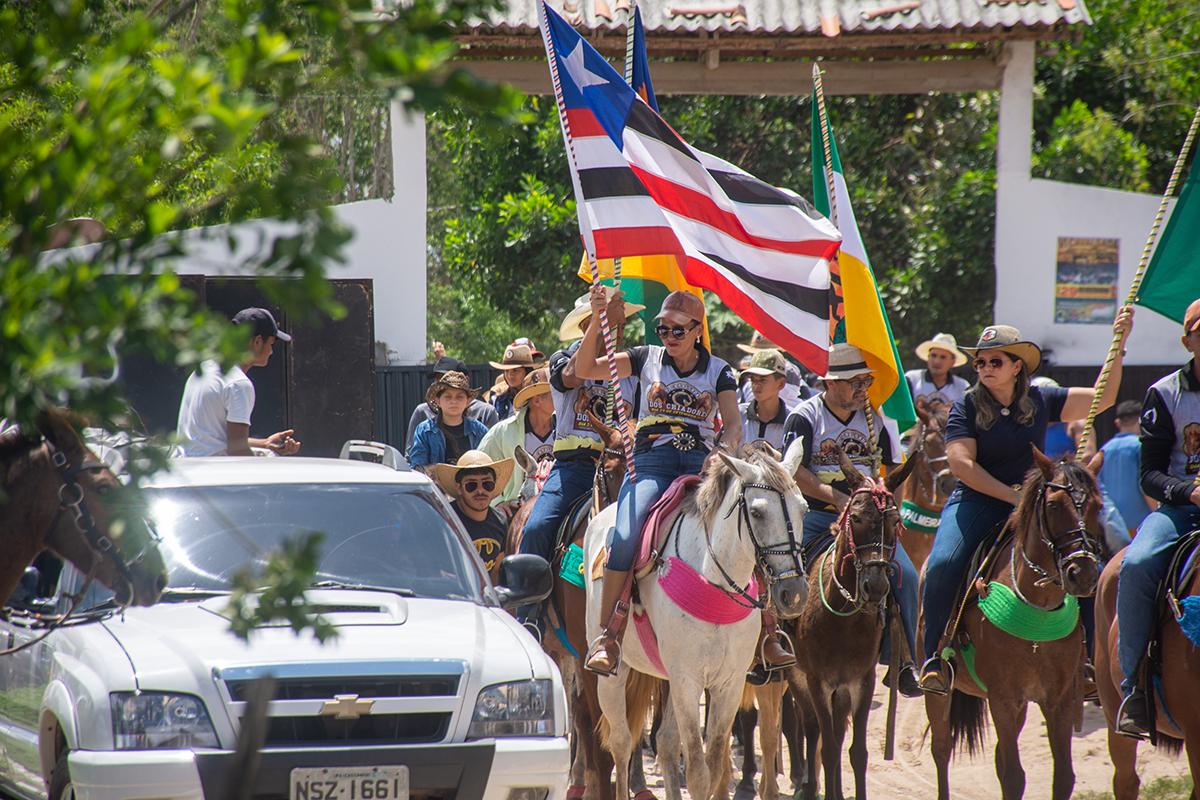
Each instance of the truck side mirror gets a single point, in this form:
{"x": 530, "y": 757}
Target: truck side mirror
{"x": 524, "y": 578}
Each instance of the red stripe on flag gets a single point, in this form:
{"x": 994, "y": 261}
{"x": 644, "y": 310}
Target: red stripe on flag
{"x": 812, "y": 355}
{"x": 700, "y": 207}
{"x": 623, "y": 242}
{"x": 584, "y": 123}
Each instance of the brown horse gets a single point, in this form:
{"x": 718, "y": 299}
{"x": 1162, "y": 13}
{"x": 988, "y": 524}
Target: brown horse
{"x": 839, "y": 632}
{"x": 1180, "y": 687}
{"x": 923, "y": 495}
{"x": 55, "y": 495}
{"x": 1052, "y": 553}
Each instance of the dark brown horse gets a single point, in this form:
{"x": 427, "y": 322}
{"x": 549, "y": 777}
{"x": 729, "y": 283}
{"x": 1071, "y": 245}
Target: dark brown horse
{"x": 923, "y": 495}
{"x": 839, "y": 632}
{"x": 1180, "y": 687}
{"x": 56, "y": 495}
{"x": 1052, "y": 553}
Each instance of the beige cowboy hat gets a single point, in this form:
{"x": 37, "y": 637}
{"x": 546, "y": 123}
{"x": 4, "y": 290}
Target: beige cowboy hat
{"x": 1007, "y": 339}
{"x": 535, "y": 383}
{"x": 575, "y": 320}
{"x": 845, "y": 362}
{"x": 942, "y": 341}
{"x": 451, "y": 380}
{"x": 520, "y": 353}
{"x": 758, "y": 342}
{"x": 446, "y": 475}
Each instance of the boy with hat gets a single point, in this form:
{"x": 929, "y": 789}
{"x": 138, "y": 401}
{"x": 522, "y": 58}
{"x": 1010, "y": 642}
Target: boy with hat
{"x": 797, "y": 386}
{"x": 214, "y": 414}
{"x": 935, "y": 385}
{"x": 477, "y": 409}
{"x": 836, "y": 419}
{"x": 764, "y": 416}
{"x": 1170, "y": 468}
{"x": 473, "y": 483}
{"x": 520, "y": 358}
{"x": 450, "y": 434}
{"x": 531, "y": 427}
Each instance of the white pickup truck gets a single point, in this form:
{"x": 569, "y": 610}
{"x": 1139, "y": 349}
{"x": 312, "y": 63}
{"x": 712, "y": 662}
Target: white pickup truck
{"x": 430, "y": 691}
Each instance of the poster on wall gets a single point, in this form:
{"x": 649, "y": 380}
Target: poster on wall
{"x": 1085, "y": 291}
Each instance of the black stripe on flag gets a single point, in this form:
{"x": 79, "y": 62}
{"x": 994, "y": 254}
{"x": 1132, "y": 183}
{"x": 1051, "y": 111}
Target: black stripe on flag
{"x": 743, "y": 188}
{"x": 610, "y": 182}
{"x": 810, "y": 301}
{"x": 643, "y": 120}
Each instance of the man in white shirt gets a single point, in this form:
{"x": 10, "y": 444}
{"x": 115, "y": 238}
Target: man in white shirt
{"x": 214, "y": 414}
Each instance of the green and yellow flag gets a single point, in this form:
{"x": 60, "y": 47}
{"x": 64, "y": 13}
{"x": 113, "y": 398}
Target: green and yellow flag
{"x": 1172, "y": 280}
{"x": 859, "y": 318}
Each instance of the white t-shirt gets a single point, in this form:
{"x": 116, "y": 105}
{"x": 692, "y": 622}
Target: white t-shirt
{"x": 210, "y": 400}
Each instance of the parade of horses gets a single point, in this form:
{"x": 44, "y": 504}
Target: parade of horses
{"x": 773, "y": 572}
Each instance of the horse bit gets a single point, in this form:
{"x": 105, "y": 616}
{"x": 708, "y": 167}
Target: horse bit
{"x": 1078, "y": 544}
{"x": 884, "y": 502}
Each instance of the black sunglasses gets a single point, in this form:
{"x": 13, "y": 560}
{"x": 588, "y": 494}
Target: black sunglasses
{"x": 470, "y": 485}
{"x": 675, "y": 331}
{"x": 994, "y": 363}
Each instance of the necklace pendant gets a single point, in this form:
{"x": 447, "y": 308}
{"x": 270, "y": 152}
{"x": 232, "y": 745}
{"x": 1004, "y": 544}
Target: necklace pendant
{"x": 1004, "y": 412}
{"x": 1035, "y": 646}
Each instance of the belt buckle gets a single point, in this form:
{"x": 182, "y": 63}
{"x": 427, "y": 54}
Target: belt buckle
{"x": 683, "y": 442}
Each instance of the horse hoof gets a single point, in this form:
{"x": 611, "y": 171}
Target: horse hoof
{"x": 743, "y": 793}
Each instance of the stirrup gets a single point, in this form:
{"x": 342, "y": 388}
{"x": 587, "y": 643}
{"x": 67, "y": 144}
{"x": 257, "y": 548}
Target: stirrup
{"x": 593, "y": 652}
{"x": 935, "y": 668}
{"x": 762, "y": 650}
{"x": 1127, "y": 724}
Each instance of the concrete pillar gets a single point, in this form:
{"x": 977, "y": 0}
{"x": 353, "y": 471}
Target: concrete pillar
{"x": 400, "y": 299}
{"x": 1014, "y": 152}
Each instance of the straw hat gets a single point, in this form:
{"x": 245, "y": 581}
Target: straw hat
{"x": 1007, "y": 339}
{"x": 451, "y": 380}
{"x": 573, "y": 323}
{"x": 535, "y": 383}
{"x": 943, "y": 341}
{"x": 767, "y": 362}
{"x": 845, "y": 362}
{"x": 520, "y": 353}
{"x": 757, "y": 342}
{"x": 446, "y": 474}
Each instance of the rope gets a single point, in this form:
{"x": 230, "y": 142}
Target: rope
{"x": 820, "y": 89}
{"x": 1147, "y": 250}
{"x": 605, "y": 328}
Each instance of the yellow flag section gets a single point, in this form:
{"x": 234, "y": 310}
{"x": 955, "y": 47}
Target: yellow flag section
{"x": 864, "y": 321}
{"x": 646, "y": 280}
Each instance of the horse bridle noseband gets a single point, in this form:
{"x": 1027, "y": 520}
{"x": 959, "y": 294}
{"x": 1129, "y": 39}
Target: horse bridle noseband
{"x": 1077, "y": 544}
{"x": 884, "y": 501}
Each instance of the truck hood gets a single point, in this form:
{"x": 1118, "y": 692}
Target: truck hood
{"x": 178, "y": 646}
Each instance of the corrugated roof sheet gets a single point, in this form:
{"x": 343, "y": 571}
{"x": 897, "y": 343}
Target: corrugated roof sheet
{"x": 800, "y": 17}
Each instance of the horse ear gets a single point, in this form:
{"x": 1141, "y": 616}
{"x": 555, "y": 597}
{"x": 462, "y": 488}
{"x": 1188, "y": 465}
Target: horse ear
{"x": 1095, "y": 463}
{"x": 1043, "y": 462}
{"x": 793, "y": 456}
{"x": 853, "y": 476}
{"x": 899, "y": 476}
{"x": 922, "y": 409}
{"x": 524, "y": 460}
{"x": 738, "y": 467}
{"x": 608, "y": 434}
{"x": 58, "y": 427}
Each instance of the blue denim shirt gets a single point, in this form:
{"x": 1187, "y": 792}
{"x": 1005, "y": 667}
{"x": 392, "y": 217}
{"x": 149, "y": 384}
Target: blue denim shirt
{"x": 429, "y": 443}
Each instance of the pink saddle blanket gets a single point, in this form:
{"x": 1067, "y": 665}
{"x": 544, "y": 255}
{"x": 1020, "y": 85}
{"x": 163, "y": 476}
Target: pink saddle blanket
{"x": 658, "y": 522}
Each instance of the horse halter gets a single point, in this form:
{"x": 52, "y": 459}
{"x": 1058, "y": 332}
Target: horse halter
{"x": 883, "y": 500}
{"x": 1078, "y": 542}
{"x": 790, "y": 547}
{"x": 933, "y": 462}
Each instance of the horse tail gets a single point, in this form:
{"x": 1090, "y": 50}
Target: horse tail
{"x": 640, "y": 692}
{"x": 968, "y": 722}
{"x": 1168, "y": 744}
{"x": 747, "y": 698}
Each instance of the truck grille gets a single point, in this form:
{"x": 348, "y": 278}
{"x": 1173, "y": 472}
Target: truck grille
{"x": 371, "y": 729}
{"x": 327, "y": 688}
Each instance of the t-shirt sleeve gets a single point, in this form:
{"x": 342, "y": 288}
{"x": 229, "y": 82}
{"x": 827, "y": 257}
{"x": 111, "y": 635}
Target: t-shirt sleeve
{"x": 796, "y": 426}
{"x": 637, "y": 358}
{"x": 887, "y": 448}
{"x": 558, "y": 362}
{"x": 725, "y": 380}
{"x": 1055, "y": 397}
{"x": 239, "y": 401}
{"x": 1157, "y": 442}
{"x": 961, "y": 423}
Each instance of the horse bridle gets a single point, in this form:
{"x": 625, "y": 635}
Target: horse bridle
{"x": 932, "y": 463}
{"x": 1077, "y": 544}
{"x": 886, "y": 553}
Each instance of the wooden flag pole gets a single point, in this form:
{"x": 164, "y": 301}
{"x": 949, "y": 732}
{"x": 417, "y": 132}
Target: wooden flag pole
{"x": 872, "y": 439}
{"x": 1115, "y": 346}
{"x": 605, "y": 328}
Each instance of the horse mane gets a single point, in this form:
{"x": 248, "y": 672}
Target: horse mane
{"x": 717, "y": 476}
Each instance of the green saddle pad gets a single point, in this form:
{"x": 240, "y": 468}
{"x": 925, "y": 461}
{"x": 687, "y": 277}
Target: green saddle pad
{"x": 1010, "y": 614}
{"x": 570, "y": 569}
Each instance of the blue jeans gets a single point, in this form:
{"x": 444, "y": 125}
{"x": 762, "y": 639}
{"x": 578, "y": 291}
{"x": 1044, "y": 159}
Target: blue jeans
{"x": 566, "y": 483}
{"x": 966, "y": 521}
{"x": 904, "y": 584}
{"x": 656, "y": 468}
{"x": 1145, "y": 565}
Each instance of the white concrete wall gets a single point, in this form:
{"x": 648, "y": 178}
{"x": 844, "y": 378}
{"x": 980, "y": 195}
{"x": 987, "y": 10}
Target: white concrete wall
{"x": 1031, "y": 215}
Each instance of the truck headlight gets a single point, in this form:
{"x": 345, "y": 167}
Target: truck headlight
{"x": 152, "y": 720}
{"x": 523, "y": 708}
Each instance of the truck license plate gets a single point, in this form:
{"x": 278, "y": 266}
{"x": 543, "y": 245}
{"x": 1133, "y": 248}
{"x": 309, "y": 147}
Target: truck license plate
{"x": 350, "y": 783}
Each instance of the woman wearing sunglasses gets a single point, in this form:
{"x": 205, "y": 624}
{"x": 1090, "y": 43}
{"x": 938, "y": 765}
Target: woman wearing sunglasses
{"x": 988, "y": 441}
{"x": 682, "y": 388}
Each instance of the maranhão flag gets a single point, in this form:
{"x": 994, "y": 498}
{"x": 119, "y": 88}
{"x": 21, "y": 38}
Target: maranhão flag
{"x": 644, "y": 279}
{"x": 1172, "y": 280}
{"x": 641, "y": 190}
{"x": 859, "y": 318}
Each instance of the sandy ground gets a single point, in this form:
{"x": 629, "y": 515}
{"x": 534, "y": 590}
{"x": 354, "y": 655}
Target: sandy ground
{"x": 912, "y": 773}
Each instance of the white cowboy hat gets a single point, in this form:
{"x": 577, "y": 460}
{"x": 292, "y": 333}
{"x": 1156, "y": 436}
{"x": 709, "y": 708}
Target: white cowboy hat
{"x": 572, "y": 324}
{"x": 446, "y": 474}
{"x": 943, "y": 341}
{"x": 1008, "y": 339}
{"x": 845, "y": 362}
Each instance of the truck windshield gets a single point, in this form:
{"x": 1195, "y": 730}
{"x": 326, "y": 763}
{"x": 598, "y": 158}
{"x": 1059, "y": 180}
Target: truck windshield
{"x": 386, "y": 536}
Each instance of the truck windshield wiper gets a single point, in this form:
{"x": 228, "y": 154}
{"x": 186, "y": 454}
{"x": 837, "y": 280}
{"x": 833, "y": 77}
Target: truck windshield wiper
{"x": 177, "y": 594}
{"x": 363, "y": 587}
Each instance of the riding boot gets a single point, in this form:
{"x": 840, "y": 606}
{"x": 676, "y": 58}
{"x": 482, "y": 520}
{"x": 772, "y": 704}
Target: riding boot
{"x": 934, "y": 679}
{"x": 909, "y": 685}
{"x": 773, "y": 649}
{"x": 604, "y": 654}
{"x": 1133, "y": 717}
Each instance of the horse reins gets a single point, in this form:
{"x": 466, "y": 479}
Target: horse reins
{"x": 1078, "y": 544}
{"x": 884, "y": 502}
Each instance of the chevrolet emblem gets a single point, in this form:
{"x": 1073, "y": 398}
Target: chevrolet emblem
{"x": 346, "y": 706}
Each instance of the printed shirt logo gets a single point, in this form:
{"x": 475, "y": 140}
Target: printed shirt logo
{"x": 1191, "y": 448}
{"x": 489, "y": 550}
{"x": 934, "y": 401}
{"x": 680, "y": 400}
{"x": 595, "y": 397}
{"x": 853, "y": 443}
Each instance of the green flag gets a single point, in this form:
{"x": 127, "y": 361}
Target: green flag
{"x": 1173, "y": 279}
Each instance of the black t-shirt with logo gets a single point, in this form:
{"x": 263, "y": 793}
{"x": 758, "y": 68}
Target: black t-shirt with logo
{"x": 456, "y": 440}
{"x": 487, "y": 535}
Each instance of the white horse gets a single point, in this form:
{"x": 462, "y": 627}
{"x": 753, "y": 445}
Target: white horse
{"x": 745, "y": 514}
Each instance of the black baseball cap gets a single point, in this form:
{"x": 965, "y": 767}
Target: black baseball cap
{"x": 262, "y": 321}
{"x": 447, "y": 364}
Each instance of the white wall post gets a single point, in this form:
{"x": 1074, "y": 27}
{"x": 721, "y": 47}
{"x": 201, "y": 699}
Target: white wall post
{"x": 1014, "y": 155}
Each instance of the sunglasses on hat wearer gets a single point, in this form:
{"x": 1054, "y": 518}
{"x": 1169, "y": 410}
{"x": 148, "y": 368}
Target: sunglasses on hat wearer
{"x": 675, "y": 331}
{"x": 471, "y": 485}
{"x": 994, "y": 362}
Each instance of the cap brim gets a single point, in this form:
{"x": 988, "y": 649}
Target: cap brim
{"x": 281, "y": 336}
{"x": 761, "y": 371}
